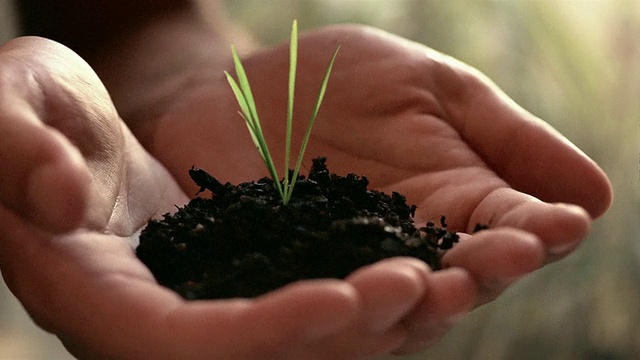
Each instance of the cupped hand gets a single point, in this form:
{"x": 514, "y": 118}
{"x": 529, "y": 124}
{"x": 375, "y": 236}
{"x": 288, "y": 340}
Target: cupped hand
{"x": 75, "y": 189}
{"x": 414, "y": 121}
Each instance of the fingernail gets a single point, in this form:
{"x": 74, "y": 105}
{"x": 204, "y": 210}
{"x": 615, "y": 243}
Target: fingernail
{"x": 562, "y": 249}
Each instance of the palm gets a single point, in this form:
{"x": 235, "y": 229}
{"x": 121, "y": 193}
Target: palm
{"x": 64, "y": 279}
{"x": 68, "y": 256}
{"x": 408, "y": 118}
{"x": 412, "y": 121}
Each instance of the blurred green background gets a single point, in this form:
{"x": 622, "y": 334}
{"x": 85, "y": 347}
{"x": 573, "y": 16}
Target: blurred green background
{"x": 575, "y": 64}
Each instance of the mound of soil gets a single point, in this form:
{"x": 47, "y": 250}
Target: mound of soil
{"x": 243, "y": 242}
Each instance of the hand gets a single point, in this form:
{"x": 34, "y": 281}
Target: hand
{"x": 76, "y": 187}
{"x": 415, "y": 121}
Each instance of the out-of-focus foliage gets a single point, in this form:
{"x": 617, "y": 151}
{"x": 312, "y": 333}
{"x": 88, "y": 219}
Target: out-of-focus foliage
{"x": 7, "y": 21}
{"x": 575, "y": 64}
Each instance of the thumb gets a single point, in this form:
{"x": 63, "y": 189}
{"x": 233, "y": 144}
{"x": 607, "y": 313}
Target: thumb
{"x": 57, "y": 120}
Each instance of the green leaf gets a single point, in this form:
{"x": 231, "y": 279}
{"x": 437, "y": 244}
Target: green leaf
{"x": 314, "y": 115}
{"x": 293, "y": 64}
{"x": 244, "y": 86}
{"x": 248, "y": 111}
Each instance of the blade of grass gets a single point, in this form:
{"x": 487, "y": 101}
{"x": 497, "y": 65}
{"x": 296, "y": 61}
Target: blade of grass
{"x": 249, "y": 113}
{"x": 243, "y": 81}
{"x": 307, "y": 135}
{"x": 244, "y": 96}
{"x": 242, "y": 101}
{"x": 293, "y": 64}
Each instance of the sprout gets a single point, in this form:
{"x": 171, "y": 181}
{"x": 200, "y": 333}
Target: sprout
{"x": 249, "y": 113}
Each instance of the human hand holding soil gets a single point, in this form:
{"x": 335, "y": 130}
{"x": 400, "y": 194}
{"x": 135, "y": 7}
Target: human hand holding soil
{"x": 78, "y": 187}
{"x": 408, "y": 118}
{"x": 417, "y": 122}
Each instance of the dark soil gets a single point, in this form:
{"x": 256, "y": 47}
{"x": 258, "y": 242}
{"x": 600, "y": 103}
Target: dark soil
{"x": 243, "y": 242}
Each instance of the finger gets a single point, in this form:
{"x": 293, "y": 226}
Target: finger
{"x": 58, "y": 123}
{"x": 525, "y": 151}
{"x": 451, "y": 294}
{"x": 301, "y": 313}
{"x": 388, "y": 290}
{"x": 278, "y": 326}
{"x": 561, "y": 227}
{"x": 43, "y": 177}
{"x": 496, "y": 258}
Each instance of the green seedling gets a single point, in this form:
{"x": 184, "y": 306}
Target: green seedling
{"x": 248, "y": 111}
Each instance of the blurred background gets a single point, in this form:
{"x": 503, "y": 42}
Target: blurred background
{"x": 575, "y": 64}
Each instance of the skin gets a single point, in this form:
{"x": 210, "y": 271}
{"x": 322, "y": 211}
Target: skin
{"x": 76, "y": 186}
